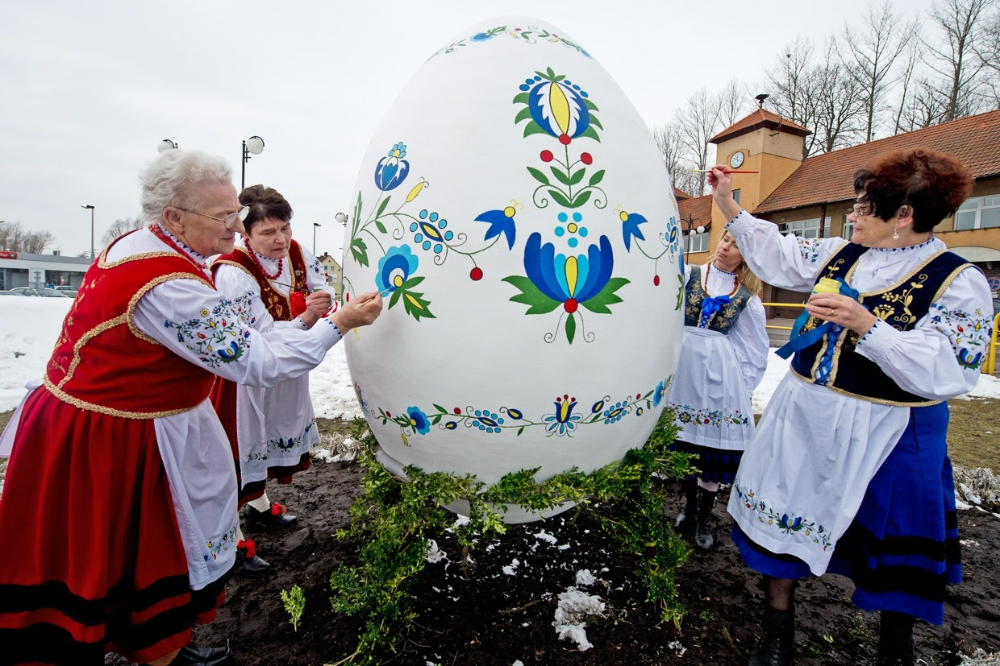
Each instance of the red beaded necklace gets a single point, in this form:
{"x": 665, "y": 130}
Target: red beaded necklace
{"x": 162, "y": 235}
{"x": 253, "y": 255}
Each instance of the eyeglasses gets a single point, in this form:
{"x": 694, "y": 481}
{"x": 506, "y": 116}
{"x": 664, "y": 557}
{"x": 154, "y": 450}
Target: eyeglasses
{"x": 863, "y": 209}
{"x": 229, "y": 220}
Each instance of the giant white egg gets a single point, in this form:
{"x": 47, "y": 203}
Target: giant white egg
{"x": 515, "y": 213}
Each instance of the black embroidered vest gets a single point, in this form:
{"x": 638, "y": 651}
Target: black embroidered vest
{"x": 901, "y": 306}
{"x": 723, "y": 320}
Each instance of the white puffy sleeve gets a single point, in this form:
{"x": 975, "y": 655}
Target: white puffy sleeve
{"x": 941, "y": 357}
{"x": 789, "y": 262}
{"x": 750, "y": 341}
{"x": 219, "y": 332}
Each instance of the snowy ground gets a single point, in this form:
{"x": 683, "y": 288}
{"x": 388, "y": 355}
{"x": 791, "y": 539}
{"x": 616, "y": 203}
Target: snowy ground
{"x": 29, "y": 327}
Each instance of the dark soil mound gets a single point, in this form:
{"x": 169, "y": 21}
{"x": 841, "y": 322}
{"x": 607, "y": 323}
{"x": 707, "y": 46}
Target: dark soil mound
{"x": 498, "y": 617}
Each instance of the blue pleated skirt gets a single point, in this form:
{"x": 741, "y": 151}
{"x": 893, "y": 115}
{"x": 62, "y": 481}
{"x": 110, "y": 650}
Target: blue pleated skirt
{"x": 717, "y": 465}
{"x": 902, "y": 548}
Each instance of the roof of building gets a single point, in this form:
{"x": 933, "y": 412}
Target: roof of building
{"x": 756, "y": 120}
{"x": 829, "y": 177}
{"x": 695, "y": 212}
{"x": 681, "y": 194}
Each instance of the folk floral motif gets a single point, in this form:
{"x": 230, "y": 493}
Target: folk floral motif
{"x": 797, "y": 526}
{"x": 969, "y": 333}
{"x": 221, "y": 335}
{"x": 215, "y": 547}
{"x": 395, "y": 276}
{"x": 555, "y": 280}
{"x": 669, "y": 241}
{"x": 563, "y": 421}
{"x": 711, "y": 417}
{"x": 429, "y": 230}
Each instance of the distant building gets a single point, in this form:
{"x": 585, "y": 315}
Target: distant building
{"x": 811, "y": 198}
{"x": 334, "y": 273}
{"x": 22, "y": 269}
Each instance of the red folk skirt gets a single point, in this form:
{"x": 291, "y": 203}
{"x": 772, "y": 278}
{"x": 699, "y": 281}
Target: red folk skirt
{"x": 91, "y": 558}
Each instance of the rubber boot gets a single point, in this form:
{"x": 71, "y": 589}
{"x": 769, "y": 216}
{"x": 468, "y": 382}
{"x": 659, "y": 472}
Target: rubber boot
{"x": 895, "y": 648}
{"x": 704, "y": 501}
{"x": 777, "y": 646}
{"x": 686, "y": 518}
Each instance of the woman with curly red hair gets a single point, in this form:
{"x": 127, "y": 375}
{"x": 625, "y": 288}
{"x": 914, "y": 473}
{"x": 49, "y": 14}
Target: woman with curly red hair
{"x": 848, "y": 472}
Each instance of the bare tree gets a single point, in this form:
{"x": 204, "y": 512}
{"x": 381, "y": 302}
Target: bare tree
{"x": 678, "y": 165}
{"x": 696, "y": 124}
{"x": 822, "y": 98}
{"x": 733, "y": 103}
{"x": 988, "y": 52}
{"x": 119, "y": 227}
{"x": 959, "y": 78}
{"x": 13, "y": 237}
{"x": 906, "y": 84}
{"x": 869, "y": 60}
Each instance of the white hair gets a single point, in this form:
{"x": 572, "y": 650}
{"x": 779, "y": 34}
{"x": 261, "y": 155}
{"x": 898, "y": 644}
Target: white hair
{"x": 173, "y": 177}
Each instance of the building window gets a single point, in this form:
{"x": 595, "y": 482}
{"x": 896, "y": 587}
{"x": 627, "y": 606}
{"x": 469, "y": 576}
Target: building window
{"x": 848, "y": 227}
{"x": 806, "y": 228}
{"x": 978, "y": 213}
{"x": 736, "y": 196}
{"x": 698, "y": 242}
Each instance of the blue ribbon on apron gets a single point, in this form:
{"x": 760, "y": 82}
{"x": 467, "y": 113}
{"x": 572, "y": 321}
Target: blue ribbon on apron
{"x": 709, "y": 307}
{"x": 799, "y": 340}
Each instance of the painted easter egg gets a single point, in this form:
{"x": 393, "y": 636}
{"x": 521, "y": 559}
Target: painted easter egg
{"x": 515, "y": 213}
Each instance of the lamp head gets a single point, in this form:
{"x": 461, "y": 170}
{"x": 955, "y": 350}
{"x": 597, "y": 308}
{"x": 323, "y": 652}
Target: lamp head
{"x": 255, "y": 145}
{"x": 166, "y": 144}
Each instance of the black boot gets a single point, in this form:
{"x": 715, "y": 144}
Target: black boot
{"x": 895, "y": 640}
{"x": 777, "y": 646}
{"x": 686, "y": 518}
{"x": 704, "y": 501}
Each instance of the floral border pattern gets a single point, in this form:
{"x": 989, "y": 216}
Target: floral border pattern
{"x": 689, "y": 415}
{"x": 529, "y": 35}
{"x": 563, "y": 421}
{"x": 792, "y": 525}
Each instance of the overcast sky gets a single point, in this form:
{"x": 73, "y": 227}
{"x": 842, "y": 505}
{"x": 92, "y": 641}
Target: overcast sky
{"x": 88, "y": 89}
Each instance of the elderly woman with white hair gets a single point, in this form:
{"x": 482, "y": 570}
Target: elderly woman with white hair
{"x": 118, "y": 513}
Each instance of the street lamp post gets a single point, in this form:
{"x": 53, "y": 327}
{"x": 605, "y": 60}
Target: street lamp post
{"x": 254, "y": 145}
{"x": 315, "y": 226}
{"x": 91, "y": 229}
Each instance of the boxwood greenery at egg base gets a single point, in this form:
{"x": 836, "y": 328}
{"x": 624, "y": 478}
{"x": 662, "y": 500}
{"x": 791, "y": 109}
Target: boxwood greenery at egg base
{"x": 393, "y": 521}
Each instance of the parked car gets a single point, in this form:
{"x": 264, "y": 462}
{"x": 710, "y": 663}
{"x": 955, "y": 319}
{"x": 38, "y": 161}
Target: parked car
{"x": 10, "y": 293}
{"x": 31, "y": 291}
{"x": 67, "y": 289}
{"x": 996, "y": 305}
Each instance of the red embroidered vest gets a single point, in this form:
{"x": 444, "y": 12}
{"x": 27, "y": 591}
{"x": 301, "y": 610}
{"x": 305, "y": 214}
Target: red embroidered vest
{"x": 102, "y": 362}
{"x": 277, "y": 304}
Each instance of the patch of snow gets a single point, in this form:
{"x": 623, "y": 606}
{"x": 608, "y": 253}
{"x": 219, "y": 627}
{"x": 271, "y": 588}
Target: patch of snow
{"x": 435, "y": 554}
{"x": 585, "y": 578}
{"x": 545, "y": 536}
{"x": 574, "y": 608}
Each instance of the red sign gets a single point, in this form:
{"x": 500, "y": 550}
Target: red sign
{"x": 4, "y": 254}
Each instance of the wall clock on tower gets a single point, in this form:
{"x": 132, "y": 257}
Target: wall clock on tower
{"x": 736, "y": 161}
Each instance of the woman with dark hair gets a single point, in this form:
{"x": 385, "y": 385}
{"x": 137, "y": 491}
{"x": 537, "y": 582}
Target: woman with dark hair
{"x": 119, "y": 505}
{"x": 724, "y": 355}
{"x": 848, "y": 472}
{"x": 270, "y": 429}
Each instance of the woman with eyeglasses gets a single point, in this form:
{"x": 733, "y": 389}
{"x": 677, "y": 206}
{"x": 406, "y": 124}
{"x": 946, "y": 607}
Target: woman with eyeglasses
{"x": 848, "y": 471}
{"x": 723, "y": 358}
{"x": 118, "y": 513}
{"x": 270, "y": 429}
